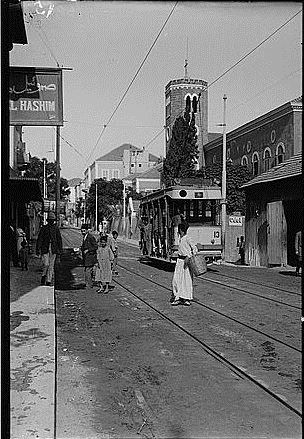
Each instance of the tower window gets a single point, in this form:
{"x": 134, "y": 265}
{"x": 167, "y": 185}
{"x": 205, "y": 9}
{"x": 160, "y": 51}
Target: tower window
{"x": 188, "y": 104}
{"x": 244, "y": 160}
{"x": 194, "y": 104}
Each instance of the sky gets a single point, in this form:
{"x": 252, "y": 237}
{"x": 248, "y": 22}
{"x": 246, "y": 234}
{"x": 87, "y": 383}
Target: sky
{"x": 105, "y": 42}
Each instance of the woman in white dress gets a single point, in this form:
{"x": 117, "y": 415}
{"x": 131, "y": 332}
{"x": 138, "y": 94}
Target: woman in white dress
{"x": 182, "y": 279}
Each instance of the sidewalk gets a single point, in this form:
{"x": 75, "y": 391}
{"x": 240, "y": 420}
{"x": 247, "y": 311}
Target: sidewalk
{"x": 32, "y": 354}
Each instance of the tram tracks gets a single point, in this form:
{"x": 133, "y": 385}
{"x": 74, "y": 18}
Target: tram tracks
{"x": 249, "y": 292}
{"x": 238, "y": 370}
{"x": 218, "y": 312}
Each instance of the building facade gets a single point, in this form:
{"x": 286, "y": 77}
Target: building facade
{"x": 263, "y": 142}
{"x": 119, "y": 163}
{"x": 274, "y": 214}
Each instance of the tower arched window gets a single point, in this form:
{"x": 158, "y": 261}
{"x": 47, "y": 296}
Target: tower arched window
{"x": 194, "y": 104}
{"x": 188, "y": 104}
{"x": 280, "y": 153}
{"x": 255, "y": 164}
{"x": 267, "y": 157}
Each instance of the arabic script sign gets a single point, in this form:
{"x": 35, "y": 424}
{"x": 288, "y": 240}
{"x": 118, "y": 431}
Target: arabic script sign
{"x": 35, "y": 96}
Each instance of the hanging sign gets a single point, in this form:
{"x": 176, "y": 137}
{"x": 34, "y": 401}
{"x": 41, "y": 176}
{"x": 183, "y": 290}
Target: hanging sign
{"x": 35, "y": 96}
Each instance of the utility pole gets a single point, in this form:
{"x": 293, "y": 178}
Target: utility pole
{"x": 96, "y": 208}
{"x": 44, "y": 189}
{"x": 124, "y": 209}
{"x": 57, "y": 198}
{"x": 224, "y": 182}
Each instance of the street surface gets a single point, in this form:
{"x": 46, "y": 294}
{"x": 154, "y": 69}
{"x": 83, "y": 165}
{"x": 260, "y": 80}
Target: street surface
{"x": 129, "y": 365}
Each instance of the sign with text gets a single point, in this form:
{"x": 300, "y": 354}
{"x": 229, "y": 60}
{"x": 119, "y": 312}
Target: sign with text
{"x": 235, "y": 220}
{"x": 35, "y": 96}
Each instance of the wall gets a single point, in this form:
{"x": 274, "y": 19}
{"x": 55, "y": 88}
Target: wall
{"x": 255, "y": 138}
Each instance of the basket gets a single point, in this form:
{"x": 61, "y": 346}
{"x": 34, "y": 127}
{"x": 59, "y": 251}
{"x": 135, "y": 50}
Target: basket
{"x": 197, "y": 264}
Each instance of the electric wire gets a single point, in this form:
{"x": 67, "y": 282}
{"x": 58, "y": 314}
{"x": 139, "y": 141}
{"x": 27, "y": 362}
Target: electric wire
{"x": 46, "y": 45}
{"x": 225, "y": 72}
{"x": 133, "y": 79}
{"x": 72, "y": 146}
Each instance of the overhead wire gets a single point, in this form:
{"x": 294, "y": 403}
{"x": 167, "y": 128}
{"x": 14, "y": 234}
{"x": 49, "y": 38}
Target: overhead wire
{"x": 225, "y": 72}
{"x": 133, "y": 79}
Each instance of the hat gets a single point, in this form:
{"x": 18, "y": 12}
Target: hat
{"x": 84, "y": 226}
{"x": 51, "y": 216}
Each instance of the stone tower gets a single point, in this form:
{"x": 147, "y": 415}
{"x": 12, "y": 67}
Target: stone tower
{"x": 194, "y": 94}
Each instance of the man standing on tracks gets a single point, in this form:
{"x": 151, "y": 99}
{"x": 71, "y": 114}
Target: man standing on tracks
{"x": 89, "y": 254}
{"x": 49, "y": 245}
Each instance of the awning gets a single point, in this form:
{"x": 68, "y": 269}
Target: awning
{"x": 24, "y": 190}
{"x": 17, "y": 32}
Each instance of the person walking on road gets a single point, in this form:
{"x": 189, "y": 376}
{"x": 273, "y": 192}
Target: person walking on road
{"x": 49, "y": 245}
{"x": 114, "y": 247}
{"x": 23, "y": 255}
{"x": 182, "y": 279}
{"x": 298, "y": 251}
{"x": 105, "y": 257}
{"x": 89, "y": 249}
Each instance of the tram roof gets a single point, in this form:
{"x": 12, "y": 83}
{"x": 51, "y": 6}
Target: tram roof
{"x": 181, "y": 192}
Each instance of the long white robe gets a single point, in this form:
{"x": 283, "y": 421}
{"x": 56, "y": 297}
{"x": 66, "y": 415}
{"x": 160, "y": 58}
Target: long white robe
{"x": 182, "y": 279}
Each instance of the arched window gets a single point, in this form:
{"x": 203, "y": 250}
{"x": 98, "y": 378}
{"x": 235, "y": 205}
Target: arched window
{"x": 244, "y": 160}
{"x": 280, "y": 152}
{"x": 267, "y": 157}
{"x": 255, "y": 163}
{"x": 194, "y": 104}
{"x": 188, "y": 104}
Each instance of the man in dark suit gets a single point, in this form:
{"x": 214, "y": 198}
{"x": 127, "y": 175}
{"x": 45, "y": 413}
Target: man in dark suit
{"x": 49, "y": 245}
{"x": 89, "y": 254}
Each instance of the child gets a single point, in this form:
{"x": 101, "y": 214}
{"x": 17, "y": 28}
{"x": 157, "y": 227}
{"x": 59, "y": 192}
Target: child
{"x": 105, "y": 257}
{"x": 114, "y": 248}
{"x": 23, "y": 255}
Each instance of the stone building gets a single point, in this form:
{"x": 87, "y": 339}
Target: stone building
{"x": 263, "y": 142}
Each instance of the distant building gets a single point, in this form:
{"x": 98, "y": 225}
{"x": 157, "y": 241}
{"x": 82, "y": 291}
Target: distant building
{"x": 263, "y": 142}
{"x": 118, "y": 163}
{"x": 147, "y": 181}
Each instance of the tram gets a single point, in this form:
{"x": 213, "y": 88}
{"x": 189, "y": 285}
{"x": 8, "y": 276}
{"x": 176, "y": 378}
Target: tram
{"x": 195, "y": 201}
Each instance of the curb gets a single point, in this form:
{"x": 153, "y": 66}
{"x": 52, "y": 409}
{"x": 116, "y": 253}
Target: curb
{"x": 32, "y": 359}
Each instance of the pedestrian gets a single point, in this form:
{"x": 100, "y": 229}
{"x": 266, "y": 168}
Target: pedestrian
{"x": 182, "y": 279}
{"x": 242, "y": 250}
{"x": 23, "y": 255}
{"x": 49, "y": 245}
{"x": 105, "y": 258}
{"x": 298, "y": 251}
{"x": 114, "y": 247}
{"x": 100, "y": 227}
{"x": 89, "y": 250}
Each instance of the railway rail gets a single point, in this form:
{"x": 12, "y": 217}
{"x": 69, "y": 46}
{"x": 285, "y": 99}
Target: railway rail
{"x": 239, "y": 371}
{"x": 218, "y": 312}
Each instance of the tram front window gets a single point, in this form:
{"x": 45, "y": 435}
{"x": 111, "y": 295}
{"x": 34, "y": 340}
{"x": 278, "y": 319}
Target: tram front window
{"x": 202, "y": 212}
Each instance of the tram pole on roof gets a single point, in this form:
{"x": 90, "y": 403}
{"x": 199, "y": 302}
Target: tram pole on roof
{"x": 224, "y": 182}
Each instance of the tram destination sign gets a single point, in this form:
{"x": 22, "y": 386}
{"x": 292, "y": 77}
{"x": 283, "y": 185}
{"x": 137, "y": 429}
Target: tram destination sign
{"x": 35, "y": 96}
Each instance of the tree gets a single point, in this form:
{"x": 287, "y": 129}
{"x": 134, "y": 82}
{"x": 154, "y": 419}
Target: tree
{"x": 35, "y": 170}
{"x": 182, "y": 152}
{"x": 236, "y": 176}
{"x": 109, "y": 194}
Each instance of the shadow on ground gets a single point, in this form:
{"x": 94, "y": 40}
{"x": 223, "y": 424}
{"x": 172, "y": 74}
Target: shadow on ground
{"x": 69, "y": 271}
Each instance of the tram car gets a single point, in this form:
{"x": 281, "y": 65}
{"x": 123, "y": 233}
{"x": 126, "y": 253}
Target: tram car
{"x": 197, "y": 202}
